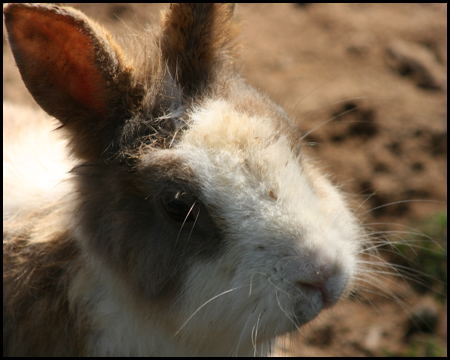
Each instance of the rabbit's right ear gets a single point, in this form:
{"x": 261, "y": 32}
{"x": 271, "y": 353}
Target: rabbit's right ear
{"x": 197, "y": 42}
{"x": 73, "y": 69}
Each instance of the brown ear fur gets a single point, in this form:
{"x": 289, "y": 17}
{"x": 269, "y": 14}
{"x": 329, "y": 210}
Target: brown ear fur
{"x": 73, "y": 69}
{"x": 197, "y": 40}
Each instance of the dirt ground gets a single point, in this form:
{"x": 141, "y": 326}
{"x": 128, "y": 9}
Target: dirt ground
{"x": 369, "y": 81}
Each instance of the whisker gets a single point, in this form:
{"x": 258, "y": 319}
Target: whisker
{"x": 202, "y": 306}
{"x": 195, "y": 222}
{"x": 332, "y": 118}
{"x": 254, "y": 335}
{"x": 401, "y": 202}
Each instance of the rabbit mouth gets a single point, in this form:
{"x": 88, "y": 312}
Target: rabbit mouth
{"x": 313, "y": 299}
{"x": 302, "y": 296}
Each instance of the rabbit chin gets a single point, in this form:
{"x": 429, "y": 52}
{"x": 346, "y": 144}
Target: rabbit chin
{"x": 251, "y": 297}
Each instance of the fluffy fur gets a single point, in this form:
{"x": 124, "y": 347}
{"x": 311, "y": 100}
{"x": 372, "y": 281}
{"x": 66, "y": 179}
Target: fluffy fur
{"x": 191, "y": 222}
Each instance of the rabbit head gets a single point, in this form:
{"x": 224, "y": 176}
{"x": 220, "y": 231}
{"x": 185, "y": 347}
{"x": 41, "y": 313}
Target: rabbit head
{"x": 197, "y": 213}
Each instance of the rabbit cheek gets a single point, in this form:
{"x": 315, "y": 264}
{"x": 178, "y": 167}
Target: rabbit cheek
{"x": 126, "y": 226}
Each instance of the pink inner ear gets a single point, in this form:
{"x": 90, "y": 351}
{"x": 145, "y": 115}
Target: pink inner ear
{"x": 79, "y": 76}
{"x": 64, "y": 55}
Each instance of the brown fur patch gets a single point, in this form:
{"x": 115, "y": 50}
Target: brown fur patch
{"x": 129, "y": 230}
{"x": 197, "y": 40}
{"x": 36, "y": 312}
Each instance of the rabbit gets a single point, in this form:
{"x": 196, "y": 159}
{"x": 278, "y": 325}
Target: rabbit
{"x": 174, "y": 211}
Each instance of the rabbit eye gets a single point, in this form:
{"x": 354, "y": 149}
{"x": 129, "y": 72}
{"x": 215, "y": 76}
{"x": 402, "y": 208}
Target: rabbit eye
{"x": 179, "y": 208}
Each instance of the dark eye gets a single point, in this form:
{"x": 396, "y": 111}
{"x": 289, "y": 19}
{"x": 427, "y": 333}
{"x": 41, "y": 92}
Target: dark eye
{"x": 179, "y": 208}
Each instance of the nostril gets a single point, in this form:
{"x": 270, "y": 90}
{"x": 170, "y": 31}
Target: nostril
{"x": 311, "y": 285}
{"x": 318, "y": 286}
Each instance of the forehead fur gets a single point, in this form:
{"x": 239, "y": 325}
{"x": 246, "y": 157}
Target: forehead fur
{"x": 244, "y": 157}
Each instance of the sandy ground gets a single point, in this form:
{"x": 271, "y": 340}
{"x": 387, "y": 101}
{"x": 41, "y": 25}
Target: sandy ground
{"x": 370, "y": 83}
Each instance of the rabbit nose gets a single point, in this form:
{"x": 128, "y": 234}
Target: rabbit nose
{"x": 328, "y": 298}
{"x": 327, "y": 278}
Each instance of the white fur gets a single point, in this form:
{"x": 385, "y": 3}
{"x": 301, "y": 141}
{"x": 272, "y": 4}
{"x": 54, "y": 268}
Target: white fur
{"x": 35, "y": 160}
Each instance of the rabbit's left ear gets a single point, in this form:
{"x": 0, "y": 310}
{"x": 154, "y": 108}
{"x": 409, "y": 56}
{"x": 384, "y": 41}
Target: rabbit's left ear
{"x": 73, "y": 69}
{"x": 197, "y": 41}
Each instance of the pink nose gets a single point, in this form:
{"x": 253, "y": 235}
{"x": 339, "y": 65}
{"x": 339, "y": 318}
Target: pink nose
{"x": 328, "y": 299}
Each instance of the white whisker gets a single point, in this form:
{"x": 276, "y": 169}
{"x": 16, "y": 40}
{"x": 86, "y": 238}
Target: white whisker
{"x": 201, "y": 307}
